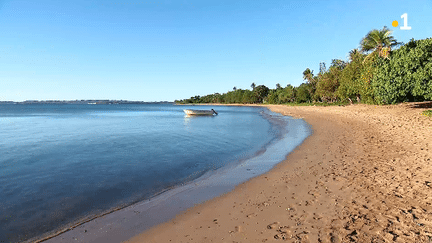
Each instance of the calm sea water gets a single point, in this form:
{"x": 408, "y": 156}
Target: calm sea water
{"x": 62, "y": 163}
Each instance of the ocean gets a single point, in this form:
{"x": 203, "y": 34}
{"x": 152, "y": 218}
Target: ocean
{"x": 62, "y": 163}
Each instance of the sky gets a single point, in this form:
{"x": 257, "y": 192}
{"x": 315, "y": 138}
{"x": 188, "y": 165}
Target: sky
{"x": 167, "y": 50}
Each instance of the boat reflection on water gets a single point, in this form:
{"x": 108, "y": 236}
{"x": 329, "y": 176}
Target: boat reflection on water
{"x": 189, "y": 117}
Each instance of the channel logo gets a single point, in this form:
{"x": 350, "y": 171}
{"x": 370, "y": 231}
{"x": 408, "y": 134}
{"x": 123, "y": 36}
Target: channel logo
{"x": 405, "y": 26}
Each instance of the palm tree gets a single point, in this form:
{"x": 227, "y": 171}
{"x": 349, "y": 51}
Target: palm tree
{"x": 353, "y": 54}
{"x": 253, "y": 86}
{"x": 380, "y": 41}
{"x": 308, "y": 75}
{"x": 312, "y": 80}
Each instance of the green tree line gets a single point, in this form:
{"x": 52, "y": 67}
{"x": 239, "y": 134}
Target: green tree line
{"x": 381, "y": 71}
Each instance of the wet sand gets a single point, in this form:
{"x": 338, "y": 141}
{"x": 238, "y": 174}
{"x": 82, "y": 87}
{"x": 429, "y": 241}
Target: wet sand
{"x": 365, "y": 175}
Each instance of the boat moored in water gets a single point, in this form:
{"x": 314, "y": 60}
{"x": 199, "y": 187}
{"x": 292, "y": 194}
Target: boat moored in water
{"x": 200, "y": 112}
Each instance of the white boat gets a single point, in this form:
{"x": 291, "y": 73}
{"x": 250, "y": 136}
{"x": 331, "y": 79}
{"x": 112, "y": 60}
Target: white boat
{"x": 200, "y": 112}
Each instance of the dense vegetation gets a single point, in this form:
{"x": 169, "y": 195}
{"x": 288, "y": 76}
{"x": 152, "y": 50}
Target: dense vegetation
{"x": 374, "y": 74}
{"x": 407, "y": 75}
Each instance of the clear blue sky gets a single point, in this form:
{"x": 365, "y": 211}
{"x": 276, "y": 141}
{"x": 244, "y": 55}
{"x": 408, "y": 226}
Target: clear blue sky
{"x": 166, "y": 50}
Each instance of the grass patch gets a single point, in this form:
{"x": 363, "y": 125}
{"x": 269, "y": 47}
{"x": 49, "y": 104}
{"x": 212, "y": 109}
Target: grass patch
{"x": 427, "y": 113}
{"x": 318, "y": 104}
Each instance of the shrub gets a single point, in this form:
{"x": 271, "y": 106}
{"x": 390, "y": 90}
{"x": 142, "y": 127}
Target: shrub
{"x": 427, "y": 113}
{"x": 407, "y": 75}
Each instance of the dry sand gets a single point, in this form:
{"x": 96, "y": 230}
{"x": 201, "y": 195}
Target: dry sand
{"x": 365, "y": 175}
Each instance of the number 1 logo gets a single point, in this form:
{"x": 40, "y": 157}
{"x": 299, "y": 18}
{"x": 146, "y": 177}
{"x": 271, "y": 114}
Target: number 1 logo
{"x": 405, "y": 18}
{"x": 405, "y": 26}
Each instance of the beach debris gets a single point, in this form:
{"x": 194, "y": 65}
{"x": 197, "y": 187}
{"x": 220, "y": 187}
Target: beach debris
{"x": 334, "y": 238}
{"x": 279, "y": 236}
{"x": 272, "y": 225}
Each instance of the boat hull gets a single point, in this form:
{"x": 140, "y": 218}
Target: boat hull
{"x": 199, "y": 112}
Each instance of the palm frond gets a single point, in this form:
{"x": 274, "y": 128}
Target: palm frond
{"x": 377, "y": 40}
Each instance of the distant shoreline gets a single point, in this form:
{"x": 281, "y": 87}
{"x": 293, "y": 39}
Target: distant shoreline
{"x": 83, "y": 102}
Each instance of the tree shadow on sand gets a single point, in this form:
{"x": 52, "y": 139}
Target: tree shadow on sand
{"x": 425, "y": 104}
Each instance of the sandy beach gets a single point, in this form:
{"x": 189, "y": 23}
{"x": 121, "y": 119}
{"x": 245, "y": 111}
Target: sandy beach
{"x": 365, "y": 175}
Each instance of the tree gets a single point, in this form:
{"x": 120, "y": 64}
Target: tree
{"x": 247, "y": 97}
{"x": 329, "y": 83}
{"x": 278, "y": 86}
{"x": 281, "y": 95}
{"x": 253, "y": 86}
{"x": 286, "y": 95}
{"x": 323, "y": 68}
{"x": 235, "y": 88}
{"x": 311, "y": 81}
{"x": 272, "y": 97}
{"x": 302, "y": 93}
{"x": 308, "y": 75}
{"x": 380, "y": 41}
{"x": 353, "y": 54}
{"x": 339, "y": 64}
{"x": 351, "y": 82}
{"x": 260, "y": 92}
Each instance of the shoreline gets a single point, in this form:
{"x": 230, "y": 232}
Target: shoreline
{"x": 364, "y": 175}
{"x": 105, "y": 227}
